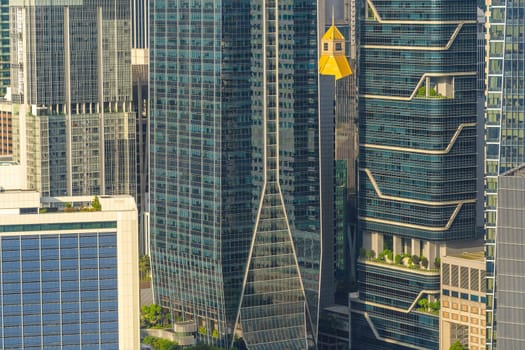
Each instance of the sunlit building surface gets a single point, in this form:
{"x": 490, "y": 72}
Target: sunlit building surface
{"x": 463, "y": 301}
{"x": 69, "y": 276}
{"x": 504, "y": 123}
{"x": 510, "y": 276}
{"x": 418, "y": 174}
{"x": 234, "y": 168}
{"x": 73, "y": 124}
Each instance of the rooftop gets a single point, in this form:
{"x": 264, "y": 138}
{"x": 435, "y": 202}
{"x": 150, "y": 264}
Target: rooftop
{"x": 480, "y": 255}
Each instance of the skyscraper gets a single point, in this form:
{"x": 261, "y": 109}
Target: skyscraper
{"x": 235, "y": 217}
{"x": 4, "y": 47}
{"x": 139, "y": 62}
{"x": 417, "y": 162}
{"x": 510, "y": 279}
{"x": 6, "y": 129}
{"x": 139, "y": 24}
{"x": 504, "y": 122}
{"x": 74, "y": 128}
{"x": 344, "y": 99}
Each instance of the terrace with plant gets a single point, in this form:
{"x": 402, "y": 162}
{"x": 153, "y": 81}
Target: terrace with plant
{"x": 414, "y": 262}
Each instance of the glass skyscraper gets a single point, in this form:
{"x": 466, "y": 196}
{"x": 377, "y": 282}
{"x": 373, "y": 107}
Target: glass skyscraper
{"x": 418, "y": 174}
{"x": 139, "y": 24}
{"x": 74, "y": 128}
{"x": 4, "y": 47}
{"x": 504, "y": 121}
{"x": 234, "y": 179}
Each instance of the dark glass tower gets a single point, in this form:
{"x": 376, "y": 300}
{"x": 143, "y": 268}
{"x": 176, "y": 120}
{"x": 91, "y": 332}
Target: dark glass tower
{"x": 417, "y": 161}
{"x": 139, "y": 24}
{"x": 235, "y": 217}
{"x": 4, "y": 47}
{"x": 504, "y": 124}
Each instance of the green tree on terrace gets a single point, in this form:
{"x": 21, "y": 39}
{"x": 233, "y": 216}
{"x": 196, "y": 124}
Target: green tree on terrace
{"x": 154, "y": 316}
{"x": 457, "y": 346}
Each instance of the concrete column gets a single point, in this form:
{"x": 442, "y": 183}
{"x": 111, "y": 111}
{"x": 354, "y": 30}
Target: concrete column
{"x": 433, "y": 252}
{"x": 426, "y": 253}
{"x": 416, "y": 247}
{"x": 377, "y": 243}
{"x": 397, "y": 247}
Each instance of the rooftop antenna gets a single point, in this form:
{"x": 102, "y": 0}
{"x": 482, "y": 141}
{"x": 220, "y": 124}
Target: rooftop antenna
{"x": 333, "y": 16}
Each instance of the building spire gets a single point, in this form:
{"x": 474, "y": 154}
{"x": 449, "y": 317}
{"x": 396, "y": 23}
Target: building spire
{"x": 333, "y": 59}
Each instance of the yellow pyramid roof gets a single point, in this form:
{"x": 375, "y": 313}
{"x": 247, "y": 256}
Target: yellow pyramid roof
{"x": 333, "y": 34}
{"x": 333, "y": 60}
{"x": 334, "y": 65}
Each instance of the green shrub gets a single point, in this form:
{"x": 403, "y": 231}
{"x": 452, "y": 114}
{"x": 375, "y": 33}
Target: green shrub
{"x": 434, "y": 305}
{"x": 145, "y": 270}
{"x": 390, "y": 255}
{"x": 457, "y": 346}
{"x": 397, "y": 259}
{"x": 160, "y": 343}
{"x": 386, "y": 253}
{"x": 381, "y": 255}
{"x": 423, "y": 303}
{"x": 154, "y": 316}
{"x": 424, "y": 262}
{"x": 437, "y": 263}
{"x": 415, "y": 259}
{"x": 96, "y": 204}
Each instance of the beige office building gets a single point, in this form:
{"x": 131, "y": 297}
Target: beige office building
{"x": 69, "y": 272}
{"x": 463, "y": 299}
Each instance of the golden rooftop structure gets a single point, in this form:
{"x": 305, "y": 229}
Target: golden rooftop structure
{"x": 333, "y": 59}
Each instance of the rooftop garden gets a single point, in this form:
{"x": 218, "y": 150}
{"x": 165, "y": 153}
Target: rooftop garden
{"x": 431, "y": 307}
{"x": 73, "y": 207}
{"x": 414, "y": 262}
{"x": 422, "y": 93}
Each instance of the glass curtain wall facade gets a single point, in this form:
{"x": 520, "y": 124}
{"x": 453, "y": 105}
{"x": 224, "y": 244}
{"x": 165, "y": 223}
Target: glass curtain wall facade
{"x": 69, "y": 277}
{"x": 417, "y": 160}
{"x": 4, "y": 47}
{"x": 140, "y": 24}
{"x": 59, "y": 291}
{"x": 234, "y": 179}
{"x": 72, "y": 67}
{"x": 504, "y": 121}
